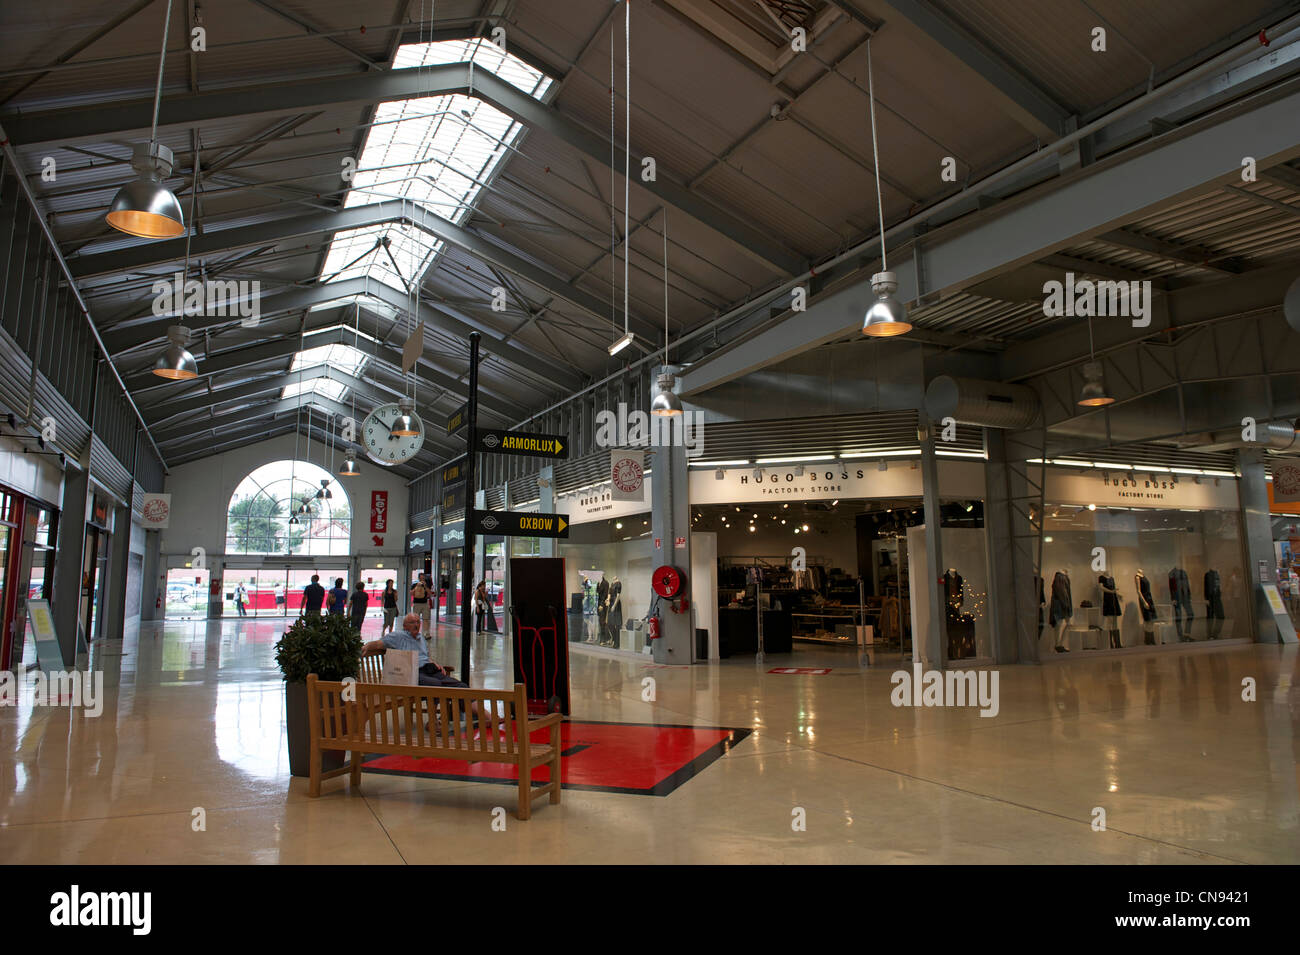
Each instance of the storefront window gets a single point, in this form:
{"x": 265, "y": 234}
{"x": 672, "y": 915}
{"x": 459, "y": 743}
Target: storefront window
{"x": 607, "y": 567}
{"x": 1118, "y": 577}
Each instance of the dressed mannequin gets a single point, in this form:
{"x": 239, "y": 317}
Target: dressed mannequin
{"x": 1180, "y": 592}
{"x": 615, "y": 611}
{"x": 1110, "y": 609}
{"x": 1213, "y": 605}
{"x": 1062, "y": 609}
{"x": 959, "y": 626}
{"x": 602, "y": 611}
{"x": 1147, "y": 606}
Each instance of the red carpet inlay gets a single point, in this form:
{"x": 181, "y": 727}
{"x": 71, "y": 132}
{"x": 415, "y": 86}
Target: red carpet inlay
{"x": 637, "y": 758}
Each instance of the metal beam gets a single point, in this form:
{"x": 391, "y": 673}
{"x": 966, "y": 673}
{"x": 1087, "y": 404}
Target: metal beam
{"x": 1025, "y": 102}
{"x": 1094, "y": 200}
{"x": 110, "y": 120}
{"x": 382, "y": 213}
{"x": 1196, "y": 255}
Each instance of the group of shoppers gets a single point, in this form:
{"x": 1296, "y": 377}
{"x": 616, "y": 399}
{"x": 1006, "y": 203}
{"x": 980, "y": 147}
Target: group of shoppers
{"x": 341, "y": 602}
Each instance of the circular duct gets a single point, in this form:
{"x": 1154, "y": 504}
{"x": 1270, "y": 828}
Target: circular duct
{"x": 989, "y": 404}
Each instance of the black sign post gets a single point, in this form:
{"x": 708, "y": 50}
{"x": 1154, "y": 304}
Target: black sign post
{"x": 526, "y": 443}
{"x": 467, "y": 565}
{"x": 519, "y": 523}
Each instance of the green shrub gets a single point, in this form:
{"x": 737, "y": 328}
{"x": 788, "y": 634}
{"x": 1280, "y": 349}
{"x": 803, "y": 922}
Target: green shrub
{"x": 325, "y": 645}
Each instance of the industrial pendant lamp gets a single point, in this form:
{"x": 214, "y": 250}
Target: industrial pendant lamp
{"x": 176, "y": 363}
{"x": 887, "y": 316}
{"x": 1093, "y": 393}
{"x": 146, "y": 207}
{"x": 666, "y": 404}
{"x": 349, "y": 467}
{"x": 404, "y": 423}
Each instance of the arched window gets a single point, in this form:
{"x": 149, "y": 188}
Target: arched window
{"x": 257, "y": 520}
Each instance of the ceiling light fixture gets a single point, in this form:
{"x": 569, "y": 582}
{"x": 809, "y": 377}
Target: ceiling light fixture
{"x": 404, "y": 425}
{"x": 176, "y": 363}
{"x": 887, "y": 316}
{"x": 1093, "y": 394}
{"x": 146, "y": 207}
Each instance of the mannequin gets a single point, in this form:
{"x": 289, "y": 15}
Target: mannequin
{"x": 615, "y": 611}
{"x": 959, "y": 626}
{"x": 1180, "y": 592}
{"x": 602, "y": 611}
{"x": 1147, "y": 606}
{"x": 1062, "y": 610}
{"x": 1110, "y": 610}
{"x": 1213, "y": 605}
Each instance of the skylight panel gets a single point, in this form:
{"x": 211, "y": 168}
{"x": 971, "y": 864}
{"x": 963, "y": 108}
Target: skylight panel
{"x": 438, "y": 151}
{"x": 326, "y": 387}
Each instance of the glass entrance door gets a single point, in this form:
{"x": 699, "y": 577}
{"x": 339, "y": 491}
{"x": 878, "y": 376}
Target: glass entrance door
{"x": 449, "y": 584}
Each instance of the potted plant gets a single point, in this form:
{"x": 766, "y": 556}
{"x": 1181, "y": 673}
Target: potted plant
{"x": 328, "y": 647}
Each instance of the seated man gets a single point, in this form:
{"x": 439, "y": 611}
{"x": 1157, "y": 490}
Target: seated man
{"x": 408, "y": 638}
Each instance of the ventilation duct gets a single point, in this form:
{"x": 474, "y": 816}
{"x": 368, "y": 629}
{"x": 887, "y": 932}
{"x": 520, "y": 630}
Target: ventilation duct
{"x": 989, "y": 404}
{"x": 1273, "y": 435}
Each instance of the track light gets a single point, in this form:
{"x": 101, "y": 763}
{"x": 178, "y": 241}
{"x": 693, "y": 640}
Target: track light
{"x": 1093, "y": 394}
{"x": 622, "y": 343}
{"x": 666, "y": 404}
{"x": 717, "y": 475}
{"x": 176, "y": 363}
{"x": 758, "y": 474}
{"x": 887, "y": 316}
{"x": 883, "y": 465}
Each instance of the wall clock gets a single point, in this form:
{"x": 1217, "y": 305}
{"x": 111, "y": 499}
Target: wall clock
{"x": 381, "y": 447}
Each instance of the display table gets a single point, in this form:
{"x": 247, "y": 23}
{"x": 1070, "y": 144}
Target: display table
{"x": 738, "y": 630}
{"x": 835, "y": 627}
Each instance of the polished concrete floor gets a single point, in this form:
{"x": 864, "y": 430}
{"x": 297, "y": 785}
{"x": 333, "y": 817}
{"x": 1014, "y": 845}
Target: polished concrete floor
{"x": 1186, "y": 771}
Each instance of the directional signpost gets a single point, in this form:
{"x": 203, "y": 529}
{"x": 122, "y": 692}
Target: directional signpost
{"x": 458, "y": 481}
{"x": 520, "y": 524}
{"x": 532, "y": 444}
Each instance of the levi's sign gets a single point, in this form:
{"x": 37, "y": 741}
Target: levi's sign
{"x": 521, "y": 524}
{"x": 533, "y": 445}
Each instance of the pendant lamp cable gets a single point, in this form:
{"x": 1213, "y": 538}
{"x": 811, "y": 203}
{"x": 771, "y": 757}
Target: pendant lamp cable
{"x": 875, "y": 157}
{"x": 665, "y": 285}
{"x": 613, "y": 180}
{"x": 157, "y": 93}
{"x": 189, "y": 230}
{"x": 1092, "y": 355}
{"x": 627, "y": 148}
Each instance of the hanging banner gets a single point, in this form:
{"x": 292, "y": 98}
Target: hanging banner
{"x": 413, "y": 348}
{"x": 156, "y": 511}
{"x": 1286, "y": 480}
{"x": 378, "y": 512}
{"x": 627, "y": 475}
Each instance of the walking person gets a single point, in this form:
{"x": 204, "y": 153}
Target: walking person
{"x": 241, "y": 597}
{"x": 420, "y": 604}
{"x": 338, "y": 598}
{"x": 313, "y": 596}
{"x": 390, "y": 607}
{"x": 357, "y": 605}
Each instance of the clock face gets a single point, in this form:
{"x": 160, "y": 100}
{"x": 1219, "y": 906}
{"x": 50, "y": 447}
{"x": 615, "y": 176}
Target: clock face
{"x": 381, "y": 446}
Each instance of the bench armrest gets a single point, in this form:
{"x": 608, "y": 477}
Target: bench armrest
{"x": 550, "y": 719}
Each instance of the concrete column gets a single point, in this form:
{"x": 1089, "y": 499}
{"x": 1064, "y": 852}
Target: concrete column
{"x": 671, "y": 519}
{"x": 1258, "y": 533}
{"x": 1010, "y": 541}
{"x": 476, "y": 572}
{"x": 546, "y": 491}
{"x": 151, "y": 571}
{"x": 119, "y": 560}
{"x": 933, "y": 646}
{"x": 66, "y": 598}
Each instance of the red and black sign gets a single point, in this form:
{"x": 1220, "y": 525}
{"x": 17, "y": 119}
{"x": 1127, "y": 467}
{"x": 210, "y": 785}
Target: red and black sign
{"x": 378, "y": 512}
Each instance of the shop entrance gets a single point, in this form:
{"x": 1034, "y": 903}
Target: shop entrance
{"x": 822, "y": 569}
{"x": 449, "y": 584}
{"x": 27, "y": 539}
{"x": 93, "y": 578}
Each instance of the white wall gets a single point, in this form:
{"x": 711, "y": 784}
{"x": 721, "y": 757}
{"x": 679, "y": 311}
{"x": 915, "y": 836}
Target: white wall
{"x": 201, "y": 493}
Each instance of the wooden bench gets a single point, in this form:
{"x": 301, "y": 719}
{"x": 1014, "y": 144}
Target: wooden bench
{"x": 380, "y": 718}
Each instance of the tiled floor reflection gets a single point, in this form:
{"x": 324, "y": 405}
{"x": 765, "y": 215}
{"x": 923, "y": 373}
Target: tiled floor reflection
{"x": 193, "y": 717}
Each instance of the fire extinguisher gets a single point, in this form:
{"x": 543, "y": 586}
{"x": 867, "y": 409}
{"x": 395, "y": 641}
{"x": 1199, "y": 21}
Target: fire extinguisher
{"x": 652, "y": 625}
{"x": 158, "y": 603}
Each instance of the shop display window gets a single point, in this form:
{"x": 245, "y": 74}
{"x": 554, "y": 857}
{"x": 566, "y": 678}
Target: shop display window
{"x": 1117, "y": 578}
{"x": 607, "y": 567}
